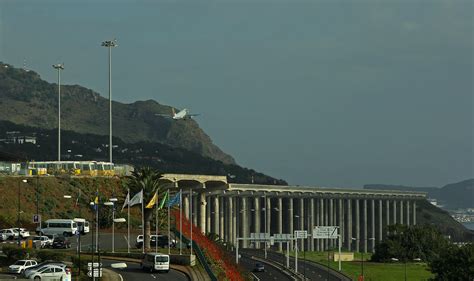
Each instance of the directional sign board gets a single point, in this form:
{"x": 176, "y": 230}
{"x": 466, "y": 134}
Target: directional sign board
{"x": 282, "y": 236}
{"x": 259, "y": 236}
{"x": 301, "y": 234}
{"x": 36, "y": 218}
{"x": 96, "y": 265}
{"x": 325, "y": 232}
{"x": 97, "y": 273}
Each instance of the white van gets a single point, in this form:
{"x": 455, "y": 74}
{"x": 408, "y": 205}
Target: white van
{"x": 156, "y": 261}
{"x": 65, "y": 227}
{"x": 82, "y": 225}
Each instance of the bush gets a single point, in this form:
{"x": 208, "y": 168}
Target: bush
{"x": 44, "y": 255}
{"x": 13, "y": 252}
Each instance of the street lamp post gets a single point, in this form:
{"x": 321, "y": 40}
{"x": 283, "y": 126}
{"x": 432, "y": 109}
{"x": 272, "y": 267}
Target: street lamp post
{"x": 110, "y": 44}
{"x": 19, "y": 204}
{"x": 59, "y": 67}
{"x": 362, "y": 264}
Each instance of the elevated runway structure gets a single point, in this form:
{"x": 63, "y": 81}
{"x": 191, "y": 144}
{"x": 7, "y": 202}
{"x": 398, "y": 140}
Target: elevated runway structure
{"x": 236, "y": 210}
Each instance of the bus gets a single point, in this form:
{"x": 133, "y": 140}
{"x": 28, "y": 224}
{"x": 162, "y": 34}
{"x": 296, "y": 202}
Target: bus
{"x": 65, "y": 227}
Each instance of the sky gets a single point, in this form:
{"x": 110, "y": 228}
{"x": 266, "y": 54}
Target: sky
{"x": 321, "y": 93}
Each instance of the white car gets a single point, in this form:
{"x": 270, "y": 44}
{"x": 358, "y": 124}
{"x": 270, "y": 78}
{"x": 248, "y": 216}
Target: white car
{"x": 44, "y": 241}
{"x": 51, "y": 272}
{"x": 32, "y": 270}
{"x": 3, "y": 237}
{"x": 21, "y": 265}
{"x": 11, "y": 233}
{"x": 24, "y": 233}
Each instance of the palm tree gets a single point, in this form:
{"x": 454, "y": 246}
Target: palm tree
{"x": 147, "y": 179}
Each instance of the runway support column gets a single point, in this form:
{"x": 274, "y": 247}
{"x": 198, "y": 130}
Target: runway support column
{"x": 387, "y": 213}
{"x": 414, "y": 212}
{"x": 221, "y": 218}
{"x": 311, "y": 223}
{"x": 301, "y": 224}
{"x": 372, "y": 224}
{"x": 268, "y": 211}
{"x": 216, "y": 220}
{"x": 235, "y": 231}
{"x": 330, "y": 220}
{"x": 229, "y": 233}
{"x": 202, "y": 213}
{"x": 280, "y": 221}
{"x": 245, "y": 222}
{"x": 316, "y": 215}
{"x": 394, "y": 211}
{"x": 256, "y": 218}
{"x": 380, "y": 220}
{"x": 290, "y": 219}
{"x": 323, "y": 221}
{"x": 401, "y": 212}
{"x": 208, "y": 214}
{"x": 408, "y": 213}
{"x": 341, "y": 219}
{"x": 357, "y": 227}
{"x": 349, "y": 224}
{"x": 186, "y": 206}
{"x": 195, "y": 209}
{"x": 364, "y": 206}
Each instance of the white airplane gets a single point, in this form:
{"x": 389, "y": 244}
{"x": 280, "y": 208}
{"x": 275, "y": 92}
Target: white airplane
{"x": 181, "y": 115}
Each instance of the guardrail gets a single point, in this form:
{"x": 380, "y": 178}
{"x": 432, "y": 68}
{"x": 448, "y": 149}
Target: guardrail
{"x": 295, "y": 276}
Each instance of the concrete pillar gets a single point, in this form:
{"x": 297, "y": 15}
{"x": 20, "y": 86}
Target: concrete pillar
{"x": 290, "y": 219}
{"x": 341, "y": 219}
{"x": 229, "y": 233}
{"x": 311, "y": 223}
{"x": 221, "y": 218}
{"x": 394, "y": 211}
{"x": 330, "y": 220}
{"x": 235, "y": 231}
{"x": 244, "y": 221}
{"x": 208, "y": 214}
{"x": 401, "y": 211}
{"x": 380, "y": 236}
{"x": 186, "y": 206}
{"x": 216, "y": 221}
{"x": 256, "y": 217}
{"x": 357, "y": 226}
{"x": 414, "y": 212}
{"x": 318, "y": 223}
{"x": 324, "y": 221}
{"x": 268, "y": 213}
{"x": 408, "y": 212}
{"x": 202, "y": 212}
{"x": 387, "y": 213}
{"x": 364, "y": 237}
{"x": 349, "y": 224}
{"x": 280, "y": 221}
{"x": 372, "y": 225}
{"x": 195, "y": 209}
{"x": 301, "y": 223}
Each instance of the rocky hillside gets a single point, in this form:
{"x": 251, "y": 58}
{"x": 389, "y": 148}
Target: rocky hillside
{"x": 26, "y": 99}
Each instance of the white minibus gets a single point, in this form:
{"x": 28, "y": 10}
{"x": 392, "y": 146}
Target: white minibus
{"x": 82, "y": 225}
{"x": 65, "y": 227}
{"x": 156, "y": 261}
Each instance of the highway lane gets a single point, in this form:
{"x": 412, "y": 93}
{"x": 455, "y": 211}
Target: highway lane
{"x": 134, "y": 272}
{"x": 313, "y": 271}
{"x": 270, "y": 273}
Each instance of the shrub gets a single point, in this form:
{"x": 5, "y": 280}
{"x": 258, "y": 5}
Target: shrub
{"x": 13, "y": 252}
{"x": 44, "y": 255}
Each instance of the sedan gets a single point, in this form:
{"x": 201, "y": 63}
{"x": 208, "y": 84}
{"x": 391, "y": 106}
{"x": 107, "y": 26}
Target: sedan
{"x": 32, "y": 270}
{"x": 51, "y": 272}
{"x": 61, "y": 242}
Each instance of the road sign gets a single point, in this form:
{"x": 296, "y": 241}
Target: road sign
{"x": 97, "y": 273}
{"x": 282, "y": 236}
{"x": 96, "y": 266}
{"x": 36, "y": 218}
{"x": 325, "y": 232}
{"x": 301, "y": 234}
{"x": 260, "y": 236}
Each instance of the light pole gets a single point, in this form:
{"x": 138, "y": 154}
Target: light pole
{"x": 59, "y": 67}
{"x": 19, "y": 203}
{"x": 362, "y": 264}
{"x": 110, "y": 45}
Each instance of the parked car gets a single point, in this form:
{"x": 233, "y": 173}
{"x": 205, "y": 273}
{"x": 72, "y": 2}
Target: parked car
{"x": 163, "y": 241}
{"x": 259, "y": 267}
{"x": 31, "y": 270}
{"x": 11, "y": 233}
{"x": 51, "y": 272}
{"x": 44, "y": 241}
{"x": 24, "y": 233}
{"x": 3, "y": 237}
{"x": 61, "y": 242}
{"x": 21, "y": 265}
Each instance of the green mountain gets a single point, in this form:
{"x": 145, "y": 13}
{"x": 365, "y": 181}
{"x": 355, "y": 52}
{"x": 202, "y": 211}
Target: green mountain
{"x": 26, "y": 99}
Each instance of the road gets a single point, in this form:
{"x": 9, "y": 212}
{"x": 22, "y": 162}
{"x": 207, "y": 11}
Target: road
{"x": 270, "y": 273}
{"x": 313, "y": 271}
{"x": 134, "y": 272}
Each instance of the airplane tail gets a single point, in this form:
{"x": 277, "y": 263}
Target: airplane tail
{"x": 172, "y": 110}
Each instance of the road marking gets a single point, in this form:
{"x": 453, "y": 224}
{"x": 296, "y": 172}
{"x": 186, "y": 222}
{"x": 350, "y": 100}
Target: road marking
{"x": 121, "y": 278}
{"x": 128, "y": 243}
{"x": 154, "y": 277}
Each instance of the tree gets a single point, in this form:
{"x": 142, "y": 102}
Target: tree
{"x": 148, "y": 180}
{"x": 455, "y": 264}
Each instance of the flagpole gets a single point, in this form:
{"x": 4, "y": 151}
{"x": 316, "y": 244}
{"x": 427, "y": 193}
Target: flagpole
{"x": 169, "y": 224}
{"x": 128, "y": 220}
{"x": 143, "y": 224}
{"x": 191, "y": 217}
{"x": 180, "y": 221}
{"x": 156, "y": 224}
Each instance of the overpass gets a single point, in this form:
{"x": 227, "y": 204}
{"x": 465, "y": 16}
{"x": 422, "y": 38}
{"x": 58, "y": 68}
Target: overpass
{"x": 235, "y": 210}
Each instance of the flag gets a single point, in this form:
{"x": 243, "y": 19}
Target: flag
{"x": 136, "y": 199}
{"x": 163, "y": 201}
{"x": 127, "y": 199}
{"x": 152, "y": 202}
{"x": 175, "y": 200}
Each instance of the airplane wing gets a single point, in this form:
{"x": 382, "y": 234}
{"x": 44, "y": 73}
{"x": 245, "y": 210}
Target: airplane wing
{"x": 192, "y": 115}
{"x": 164, "y": 115}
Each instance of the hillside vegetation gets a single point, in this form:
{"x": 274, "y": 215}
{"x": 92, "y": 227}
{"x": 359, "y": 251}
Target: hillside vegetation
{"x": 26, "y": 99}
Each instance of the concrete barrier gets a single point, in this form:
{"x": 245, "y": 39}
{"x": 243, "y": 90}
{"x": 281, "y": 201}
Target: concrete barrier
{"x": 189, "y": 260}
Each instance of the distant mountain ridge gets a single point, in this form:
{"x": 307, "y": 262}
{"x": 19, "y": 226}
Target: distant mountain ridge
{"x": 26, "y": 99}
{"x": 458, "y": 195}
